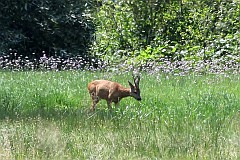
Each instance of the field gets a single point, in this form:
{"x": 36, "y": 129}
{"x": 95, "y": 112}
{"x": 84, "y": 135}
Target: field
{"x": 45, "y": 115}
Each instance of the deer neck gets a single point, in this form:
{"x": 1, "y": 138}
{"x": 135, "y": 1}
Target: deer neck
{"x": 125, "y": 92}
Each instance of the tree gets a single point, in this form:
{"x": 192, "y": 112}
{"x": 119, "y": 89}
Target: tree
{"x": 57, "y": 27}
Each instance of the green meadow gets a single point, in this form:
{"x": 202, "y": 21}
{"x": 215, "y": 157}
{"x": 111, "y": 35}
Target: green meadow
{"x": 45, "y": 115}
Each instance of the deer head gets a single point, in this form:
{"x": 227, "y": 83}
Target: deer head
{"x": 135, "y": 91}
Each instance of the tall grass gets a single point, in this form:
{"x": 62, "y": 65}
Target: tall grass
{"x": 45, "y": 115}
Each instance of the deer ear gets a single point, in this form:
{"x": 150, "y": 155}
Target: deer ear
{"x": 136, "y": 81}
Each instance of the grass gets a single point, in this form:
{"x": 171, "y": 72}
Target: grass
{"x": 44, "y": 115}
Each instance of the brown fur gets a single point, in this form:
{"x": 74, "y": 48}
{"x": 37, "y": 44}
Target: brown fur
{"x": 111, "y": 91}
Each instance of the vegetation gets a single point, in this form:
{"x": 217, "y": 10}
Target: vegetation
{"x": 187, "y": 53}
{"x": 111, "y": 32}
{"x": 45, "y": 115}
{"x": 177, "y": 30}
{"x": 52, "y": 28}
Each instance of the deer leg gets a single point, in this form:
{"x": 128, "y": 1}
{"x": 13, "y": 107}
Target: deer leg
{"x": 94, "y": 105}
{"x": 95, "y": 100}
{"x": 116, "y": 104}
{"x": 109, "y": 103}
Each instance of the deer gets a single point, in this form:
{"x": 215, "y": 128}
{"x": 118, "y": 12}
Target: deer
{"x": 112, "y": 92}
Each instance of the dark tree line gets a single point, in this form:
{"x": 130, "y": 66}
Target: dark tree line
{"x": 54, "y": 28}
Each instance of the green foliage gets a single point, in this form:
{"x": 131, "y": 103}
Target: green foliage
{"x": 116, "y": 31}
{"x": 179, "y": 30}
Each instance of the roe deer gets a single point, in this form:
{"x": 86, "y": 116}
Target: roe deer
{"x": 112, "y": 91}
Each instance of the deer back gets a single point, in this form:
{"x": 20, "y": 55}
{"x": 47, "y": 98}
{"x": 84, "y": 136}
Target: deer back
{"x": 105, "y": 89}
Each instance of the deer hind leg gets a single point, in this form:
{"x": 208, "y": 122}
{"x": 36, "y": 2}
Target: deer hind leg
{"x": 116, "y": 104}
{"x": 95, "y": 100}
{"x": 109, "y": 103}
